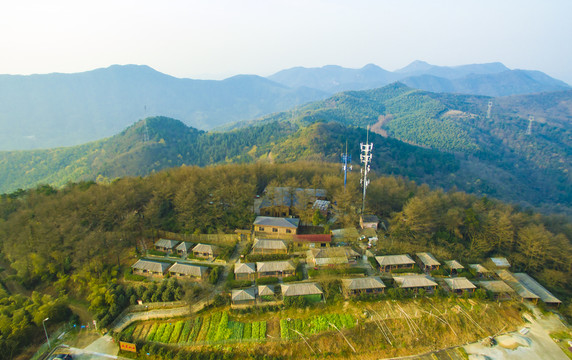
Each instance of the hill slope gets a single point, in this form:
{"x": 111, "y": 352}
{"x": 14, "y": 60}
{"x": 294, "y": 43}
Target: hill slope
{"x": 43, "y": 111}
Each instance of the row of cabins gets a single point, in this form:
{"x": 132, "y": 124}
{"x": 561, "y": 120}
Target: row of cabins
{"x": 252, "y": 271}
{"x": 249, "y": 296}
{"x": 428, "y": 263}
{"x": 178, "y": 270}
{"x": 184, "y": 248}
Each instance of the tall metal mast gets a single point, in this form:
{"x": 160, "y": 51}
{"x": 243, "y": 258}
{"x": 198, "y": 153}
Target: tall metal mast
{"x": 346, "y": 159}
{"x": 489, "y": 109}
{"x": 365, "y": 158}
{"x": 530, "y": 121}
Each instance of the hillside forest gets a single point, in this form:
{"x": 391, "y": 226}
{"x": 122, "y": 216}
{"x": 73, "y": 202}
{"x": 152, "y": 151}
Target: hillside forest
{"x": 73, "y": 243}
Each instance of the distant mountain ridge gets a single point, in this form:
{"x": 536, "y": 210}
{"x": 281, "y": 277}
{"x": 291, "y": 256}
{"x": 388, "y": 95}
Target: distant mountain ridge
{"x": 475, "y": 79}
{"x": 52, "y": 110}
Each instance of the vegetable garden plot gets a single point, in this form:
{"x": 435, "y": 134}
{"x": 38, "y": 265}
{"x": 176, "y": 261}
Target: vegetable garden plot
{"x": 291, "y": 328}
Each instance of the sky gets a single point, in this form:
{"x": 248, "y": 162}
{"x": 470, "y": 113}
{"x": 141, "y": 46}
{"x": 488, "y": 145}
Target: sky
{"x": 213, "y": 39}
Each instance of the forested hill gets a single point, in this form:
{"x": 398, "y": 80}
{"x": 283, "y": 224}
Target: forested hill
{"x": 497, "y": 157}
{"x": 157, "y": 143}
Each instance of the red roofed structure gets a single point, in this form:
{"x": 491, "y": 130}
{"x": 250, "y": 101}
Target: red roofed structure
{"x": 312, "y": 240}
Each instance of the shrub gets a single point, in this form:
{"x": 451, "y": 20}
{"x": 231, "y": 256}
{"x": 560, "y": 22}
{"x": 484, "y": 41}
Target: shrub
{"x": 266, "y": 281}
{"x": 236, "y": 284}
{"x": 440, "y": 272}
{"x": 215, "y": 274}
{"x": 156, "y": 252}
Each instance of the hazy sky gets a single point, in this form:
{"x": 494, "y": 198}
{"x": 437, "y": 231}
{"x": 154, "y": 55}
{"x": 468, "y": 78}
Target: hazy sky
{"x": 217, "y": 39}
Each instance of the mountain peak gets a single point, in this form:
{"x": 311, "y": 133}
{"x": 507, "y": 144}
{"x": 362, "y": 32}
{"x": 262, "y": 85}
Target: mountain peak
{"x": 417, "y": 65}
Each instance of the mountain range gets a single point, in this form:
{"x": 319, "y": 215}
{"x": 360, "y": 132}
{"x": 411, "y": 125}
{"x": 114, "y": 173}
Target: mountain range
{"x": 53, "y": 110}
{"x": 444, "y": 140}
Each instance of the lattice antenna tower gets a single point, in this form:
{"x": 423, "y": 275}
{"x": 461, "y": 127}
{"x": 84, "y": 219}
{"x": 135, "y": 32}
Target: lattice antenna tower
{"x": 146, "y": 130}
{"x": 346, "y": 160}
{"x": 489, "y": 109}
{"x": 530, "y": 121}
{"x": 365, "y": 158}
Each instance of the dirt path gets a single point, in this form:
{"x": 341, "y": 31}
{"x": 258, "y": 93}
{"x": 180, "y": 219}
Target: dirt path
{"x": 377, "y": 127}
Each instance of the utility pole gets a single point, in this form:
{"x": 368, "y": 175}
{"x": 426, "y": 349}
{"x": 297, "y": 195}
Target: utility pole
{"x": 365, "y": 158}
{"x": 46, "y": 332}
{"x": 346, "y": 159}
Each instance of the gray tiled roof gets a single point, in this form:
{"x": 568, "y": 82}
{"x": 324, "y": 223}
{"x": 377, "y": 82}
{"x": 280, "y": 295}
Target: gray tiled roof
{"x": 522, "y": 290}
{"x": 266, "y": 290}
{"x": 454, "y": 264}
{"x": 411, "y": 281}
{"x": 459, "y": 283}
{"x": 244, "y": 268}
{"x": 152, "y": 266}
{"x": 479, "y": 268}
{"x": 185, "y": 246}
{"x": 500, "y": 261}
{"x": 496, "y": 286}
{"x": 270, "y": 266}
{"x": 536, "y": 288}
{"x": 301, "y": 289}
{"x": 389, "y": 260}
{"x": 428, "y": 259}
{"x": 372, "y": 282}
{"x": 188, "y": 269}
{"x": 277, "y": 221}
{"x": 166, "y": 243}
{"x": 204, "y": 248}
{"x": 243, "y": 294}
{"x": 268, "y": 244}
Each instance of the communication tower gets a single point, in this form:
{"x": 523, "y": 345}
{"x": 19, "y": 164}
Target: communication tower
{"x": 146, "y": 130}
{"x": 530, "y": 121}
{"x": 489, "y": 109}
{"x": 365, "y": 158}
{"x": 346, "y": 160}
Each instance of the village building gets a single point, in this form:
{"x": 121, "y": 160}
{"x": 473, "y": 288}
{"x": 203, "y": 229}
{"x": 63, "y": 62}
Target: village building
{"x": 500, "y": 290}
{"x": 150, "y": 268}
{"x": 460, "y": 285}
{"x": 311, "y": 241}
{"x": 205, "y": 251}
{"x": 275, "y": 269}
{"x": 454, "y": 266}
{"x": 243, "y": 296}
{"x": 363, "y": 285}
{"x": 428, "y": 261}
{"x": 283, "y": 201}
{"x": 244, "y": 271}
{"x": 544, "y": 295}
{"x": 522, "y": 291}
{"x": 266, "y": 292}
{"x": 188, "y": 271}
{"x": 276, "y": 225}
{"x": 166, "y": 245}
{"x": 368, "y": 221}
{"x": 480, "y": 270}
{"x": 323, "y": 206}
{"x": 331, "y": 256}
{"x": 184, "y": 248}
{"x": 393, "y": 262}
{"x": 267, "y": 246}
{"x": 415, "y": 282}
{"x": 500, "y": 262}
{"x": 309, "y": 290}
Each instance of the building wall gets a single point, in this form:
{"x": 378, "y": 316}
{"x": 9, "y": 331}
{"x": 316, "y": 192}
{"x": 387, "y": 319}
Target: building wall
{"x": 244, "y": 276}
{"x": 275, "y": 230}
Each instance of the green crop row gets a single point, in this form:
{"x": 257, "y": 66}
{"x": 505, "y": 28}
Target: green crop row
{"x": 152, "y": 332}
{"x": 196, "y": 328}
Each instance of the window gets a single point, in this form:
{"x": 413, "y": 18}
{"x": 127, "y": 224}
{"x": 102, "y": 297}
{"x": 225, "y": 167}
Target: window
{"x": 288, "y": 231}
{"x": 260, "y": 228}
{"x": 274, "y": 230}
